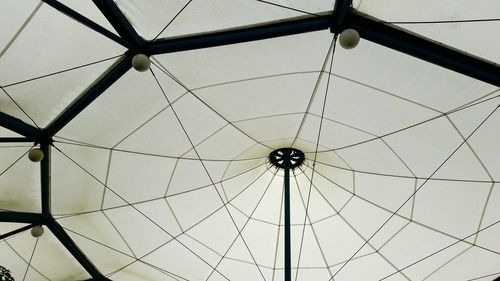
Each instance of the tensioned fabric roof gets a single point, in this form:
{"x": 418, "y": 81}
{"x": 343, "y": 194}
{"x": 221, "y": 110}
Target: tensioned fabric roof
{"x": 165, "y": 175}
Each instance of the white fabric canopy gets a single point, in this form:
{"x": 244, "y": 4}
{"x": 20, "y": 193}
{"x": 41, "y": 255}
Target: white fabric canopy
{"x": 166, "y": 176}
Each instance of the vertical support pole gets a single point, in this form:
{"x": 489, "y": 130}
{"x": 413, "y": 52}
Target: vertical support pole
{"x": 288, "y": 252}
{"x": 287, "y": 158}
{"x": 45, "y": 180}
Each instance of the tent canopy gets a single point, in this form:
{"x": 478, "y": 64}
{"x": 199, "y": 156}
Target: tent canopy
{"x": 166, "y": 174}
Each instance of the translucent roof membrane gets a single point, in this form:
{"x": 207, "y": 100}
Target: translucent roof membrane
{"x": 8, "y": 133}
{"x": 18, "y": 176}
{"x": 55, "y": 50}
{"x": 166, "y": 175}
{"x": 41, "y": 258}
{"x": 160, "y": 19}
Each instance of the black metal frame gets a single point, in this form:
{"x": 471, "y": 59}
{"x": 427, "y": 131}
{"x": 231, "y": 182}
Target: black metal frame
{"x": 423, "y": 48}
{"x": 120, "y": 23}
{"x": 18, "y": 126}
{"x": 16, "y": 231}
{"x": 89, "y": 95}
{"x": 85, "y": 21}
{"x": 342, "y": 17}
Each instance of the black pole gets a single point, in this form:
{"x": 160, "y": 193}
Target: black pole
{"x": 288, "y": 252}
{"x": 45, "y": 180}
{"x": 14, "y": 232}
{"x": 86, "y": 98}
{"x": 73, "y": 249}
{"x": 21, "y": 217}
{"x": 87, "y": 22}
{"x": 119, "y": 22}
{"x": 18, "y": 126}
{"x": 287, "y": 158}
{"x": 17, "y": 139}
{"x": 423, "y": 48}
{"x": 247, "y": 34}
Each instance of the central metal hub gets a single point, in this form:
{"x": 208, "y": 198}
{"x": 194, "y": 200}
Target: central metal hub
{"x": 287, "y": 157}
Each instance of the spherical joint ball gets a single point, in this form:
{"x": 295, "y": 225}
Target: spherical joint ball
{"x": 35, "y": 155}
{"x": 349, "y": 38}
{"x": 141, "y": 62}
{"x": 37, "y": 231}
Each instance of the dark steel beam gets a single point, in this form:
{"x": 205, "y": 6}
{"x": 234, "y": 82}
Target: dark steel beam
{"x": 18, "y": 126}
{"x": 45, "y": 179}
{"x": 369, "y": 28}
{"x": 87, "y": 22}
{"x": 340, "y": 12}
{"x": 70, "y": 245}
{"x": 241, "y": 35}
{"x": 89, "y": 95}
{"x": 21, "y": 217}
{"x": 14, "y": 232}
{"x": 288, "y": 242}
{"x": 423, "y": 48}
{"x": 17, "y": 139}
{"x": 120, "y": 23}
